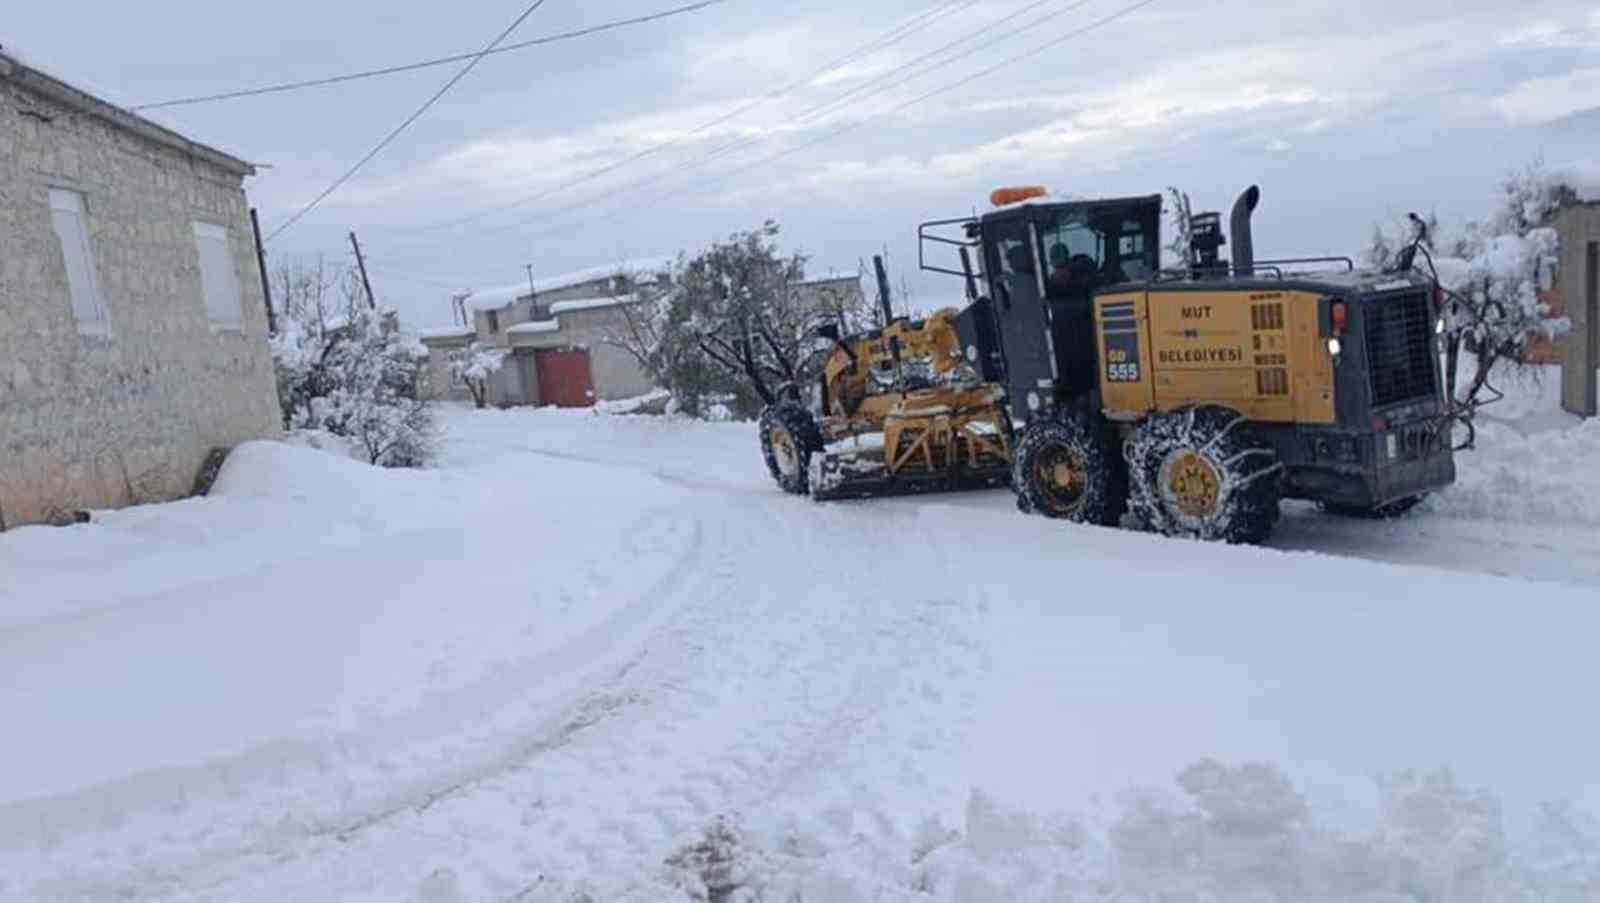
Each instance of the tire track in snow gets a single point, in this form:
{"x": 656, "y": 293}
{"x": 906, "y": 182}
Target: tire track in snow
{"x": 741, "y": 697}
{"x": 672, "y": 476}
{"x": 264, "y": 813}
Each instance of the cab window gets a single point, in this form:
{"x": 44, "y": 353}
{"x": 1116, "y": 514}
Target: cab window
{"x": 1073, "y": 253}
{"x": 1086, "y": 248}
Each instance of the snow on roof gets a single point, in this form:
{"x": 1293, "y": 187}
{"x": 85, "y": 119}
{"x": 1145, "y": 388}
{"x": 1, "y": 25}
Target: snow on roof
{"x": 500, "y": 296}
{"x": 537, "y": 326}
{"x": 1582, "y": 178}
{"x": 576, "y": 304}
{"x": 823, "y": 280}
{"x": 451, "y": 332}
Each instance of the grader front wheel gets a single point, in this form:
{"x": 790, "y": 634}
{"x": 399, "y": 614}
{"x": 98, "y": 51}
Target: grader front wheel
{"x": 1202, "y": 473}
{"x": 789, "y": 436}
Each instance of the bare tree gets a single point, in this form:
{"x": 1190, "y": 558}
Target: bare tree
{"x": 734, "y": 317}
{"x": 1182, "y": 227}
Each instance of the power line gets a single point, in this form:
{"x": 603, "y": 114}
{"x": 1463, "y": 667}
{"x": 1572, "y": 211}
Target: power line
{"x": 387, "y": 273}
{"x": 951, "y": 86}
{"x": 891, "y": 37}
{"x": 426, "y": 64}
{"x": 409, "y": 119}
{"x": 884, "y": 82}
{"x": 921, "y": 98}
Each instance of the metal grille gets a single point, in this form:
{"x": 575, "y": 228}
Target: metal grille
{"x": 1400, "y": 348}
{"x": 1266, "y": 316}
{"x": 1272, "y": 382}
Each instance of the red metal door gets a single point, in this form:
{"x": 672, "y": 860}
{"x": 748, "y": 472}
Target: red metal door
{"x": 565, "y": 379}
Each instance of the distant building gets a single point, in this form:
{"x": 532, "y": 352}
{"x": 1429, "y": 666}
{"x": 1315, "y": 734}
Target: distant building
{"x": 560, "y": 334}
{"x": 830, "y": 294}
{"x": 133, "y": 334}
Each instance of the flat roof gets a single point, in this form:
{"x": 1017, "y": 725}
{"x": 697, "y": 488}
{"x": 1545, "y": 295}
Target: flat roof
{"x": 19, "y": 72}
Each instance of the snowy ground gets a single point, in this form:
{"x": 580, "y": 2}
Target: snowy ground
{"x": 602, "y": 656}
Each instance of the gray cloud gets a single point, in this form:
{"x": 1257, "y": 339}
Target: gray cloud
{"x": 1344, "y": 112}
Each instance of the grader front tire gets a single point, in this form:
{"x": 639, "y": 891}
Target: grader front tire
{"x": 789, "y": 437}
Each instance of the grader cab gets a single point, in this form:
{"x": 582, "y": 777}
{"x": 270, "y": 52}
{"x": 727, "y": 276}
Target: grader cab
{"x": 1198, "y": 397}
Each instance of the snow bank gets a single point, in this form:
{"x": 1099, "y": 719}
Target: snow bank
{"x": 1233, "y": 832}
{"x": 281, "y": 471}
{"x": 604, "y": 656}
{"x": 1533, "y": 462}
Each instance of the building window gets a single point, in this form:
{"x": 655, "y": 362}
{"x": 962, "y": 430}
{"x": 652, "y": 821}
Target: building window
{"x": 494, "y": 321}
{"x": 69, "y": 215}
{"x": 219, "y": 281}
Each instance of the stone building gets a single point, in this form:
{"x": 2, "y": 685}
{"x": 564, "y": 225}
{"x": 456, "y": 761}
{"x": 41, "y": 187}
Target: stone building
{"x": 133, "y": 333}
{"x": 830, "y": 294}
{"x": 1578, "y": 225}
{"x": 560, "y": 334}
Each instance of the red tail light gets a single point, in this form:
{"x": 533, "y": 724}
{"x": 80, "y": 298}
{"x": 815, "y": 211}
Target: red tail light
{"x": 1341, "y": 318}
{"x": 1380, "y": 423}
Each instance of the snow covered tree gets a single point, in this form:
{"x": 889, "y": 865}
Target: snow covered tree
{"x": 377, "y": 397}
{"x": 732, "y": 321}
{"x": 304, "y": 296}
{"x": 353, "y": 374}
{"x": 1491, "y": 272}
{"x": 473, "y": 366}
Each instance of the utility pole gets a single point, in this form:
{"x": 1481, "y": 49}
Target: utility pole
{"x": 531, "y": 290}
{"x": 361, "y": 262}
{"x": 266, "y": 283}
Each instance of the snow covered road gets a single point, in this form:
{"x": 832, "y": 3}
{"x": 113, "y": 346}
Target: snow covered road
{"x": 555, "y": 664}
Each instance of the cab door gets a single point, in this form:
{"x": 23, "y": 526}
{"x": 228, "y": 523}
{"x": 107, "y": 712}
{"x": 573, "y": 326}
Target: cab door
{"x": 1020, "y": 312}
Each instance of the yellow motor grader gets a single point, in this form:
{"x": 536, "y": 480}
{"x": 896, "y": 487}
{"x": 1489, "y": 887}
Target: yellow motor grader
{"x": 896, "y": 410}
{"x": 1197, "y": 397}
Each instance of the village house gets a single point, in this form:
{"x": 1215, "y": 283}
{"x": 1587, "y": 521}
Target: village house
{"x": 559, "y": 334}
{"x": 133, "y": 331}
{"x": 1578, "y": 284}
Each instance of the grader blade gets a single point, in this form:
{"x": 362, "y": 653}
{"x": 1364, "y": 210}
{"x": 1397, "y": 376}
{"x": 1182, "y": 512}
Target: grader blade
{"x": 850, "y": 471}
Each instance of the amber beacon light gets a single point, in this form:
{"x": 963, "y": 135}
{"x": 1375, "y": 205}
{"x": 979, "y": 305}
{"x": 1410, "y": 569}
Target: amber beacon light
{"x": 1000, "y": 197}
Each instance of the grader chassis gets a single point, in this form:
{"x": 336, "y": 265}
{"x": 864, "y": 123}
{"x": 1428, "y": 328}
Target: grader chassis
{"x": 1195, "y": 399}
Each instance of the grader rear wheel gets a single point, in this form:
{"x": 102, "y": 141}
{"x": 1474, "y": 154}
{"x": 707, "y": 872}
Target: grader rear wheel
{"x": 1202, "y": 473}
{"x": 1190, "y": 485}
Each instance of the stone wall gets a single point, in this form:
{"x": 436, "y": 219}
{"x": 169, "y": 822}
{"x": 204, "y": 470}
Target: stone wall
{"x": 92, "y": 421}
{"x": 1579, "y": 228}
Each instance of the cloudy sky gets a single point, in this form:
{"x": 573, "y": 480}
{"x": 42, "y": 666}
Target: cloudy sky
{"x": 847, "y": 122}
